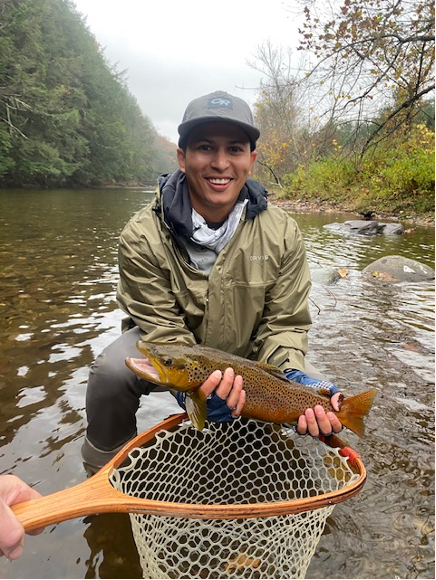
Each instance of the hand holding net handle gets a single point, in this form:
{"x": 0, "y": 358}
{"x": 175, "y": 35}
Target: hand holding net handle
{"x": 94, "y": 495}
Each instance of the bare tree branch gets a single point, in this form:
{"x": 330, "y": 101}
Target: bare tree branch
{"x": 371, "y": 54}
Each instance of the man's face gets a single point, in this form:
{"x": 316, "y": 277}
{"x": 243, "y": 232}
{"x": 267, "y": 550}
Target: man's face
{"x": 217, "y": 162}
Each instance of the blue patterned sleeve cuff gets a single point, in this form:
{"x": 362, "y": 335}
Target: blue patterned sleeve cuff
{"x": 303, "y": 379}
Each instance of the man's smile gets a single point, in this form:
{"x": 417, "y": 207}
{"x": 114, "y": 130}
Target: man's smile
{"x": 219, "y": 183}
{"x": 219, "y": 180}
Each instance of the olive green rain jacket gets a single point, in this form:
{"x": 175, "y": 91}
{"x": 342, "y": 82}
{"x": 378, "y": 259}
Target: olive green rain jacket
{"x": 254, "y": 302}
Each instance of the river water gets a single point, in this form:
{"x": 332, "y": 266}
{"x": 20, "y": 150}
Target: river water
{"x": 58, "y": 264}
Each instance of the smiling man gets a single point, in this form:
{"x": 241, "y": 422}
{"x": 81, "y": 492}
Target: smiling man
{"x": 208, "y": 262}
{"x": 216, "y": 161}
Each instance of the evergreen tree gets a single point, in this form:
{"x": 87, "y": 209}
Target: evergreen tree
{"x": 66, "y": 115}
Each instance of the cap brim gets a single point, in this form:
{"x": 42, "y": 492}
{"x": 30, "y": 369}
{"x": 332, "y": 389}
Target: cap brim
{"x": 185, "y": 128}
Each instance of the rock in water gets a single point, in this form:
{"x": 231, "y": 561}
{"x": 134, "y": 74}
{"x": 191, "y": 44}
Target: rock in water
{"x": 399, "y": 269}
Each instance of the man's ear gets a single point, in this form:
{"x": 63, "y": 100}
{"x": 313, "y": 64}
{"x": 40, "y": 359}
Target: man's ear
{"x": 253, "y": 160}
{"x": 181, "y": 159}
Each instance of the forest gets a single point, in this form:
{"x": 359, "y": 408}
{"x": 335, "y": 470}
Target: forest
{"x": 67, "y": 117}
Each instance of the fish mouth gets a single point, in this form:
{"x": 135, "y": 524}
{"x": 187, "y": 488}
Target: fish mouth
{"x": 145, "y": 369}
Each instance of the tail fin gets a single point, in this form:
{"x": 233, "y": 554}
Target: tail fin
{"x": 354, "y": 409}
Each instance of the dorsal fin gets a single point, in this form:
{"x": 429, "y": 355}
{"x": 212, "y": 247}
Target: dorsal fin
{"x": 272, "y": 370}
{"x": 324, "y": 392}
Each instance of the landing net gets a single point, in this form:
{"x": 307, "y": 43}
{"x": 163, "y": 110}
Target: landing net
{"x": 260, "y": 496}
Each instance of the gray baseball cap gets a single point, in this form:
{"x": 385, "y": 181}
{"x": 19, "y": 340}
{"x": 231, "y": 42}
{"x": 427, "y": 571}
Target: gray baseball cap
{"x": 218, "y": 106}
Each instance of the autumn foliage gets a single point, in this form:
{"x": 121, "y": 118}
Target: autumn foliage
{"x": 353, "y": 122}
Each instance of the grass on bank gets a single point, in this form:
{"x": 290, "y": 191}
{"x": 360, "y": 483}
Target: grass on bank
{"x": 396, "y": 178}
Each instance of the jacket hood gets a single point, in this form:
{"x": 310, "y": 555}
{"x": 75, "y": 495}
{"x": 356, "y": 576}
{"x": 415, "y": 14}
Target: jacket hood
{"x": 174, "y": 200}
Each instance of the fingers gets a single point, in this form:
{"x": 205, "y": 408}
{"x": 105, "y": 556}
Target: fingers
{"x": 236, "y": 397}
{"x": 211, "y": 383}
{"x": 13, "y": 491}
{"x": 11, "y": 533}
{"x": 317, "y": 422}
{"x": 227, "y": 387}
{"x": 334, "y": 422}
{"x": 302, "y": 425}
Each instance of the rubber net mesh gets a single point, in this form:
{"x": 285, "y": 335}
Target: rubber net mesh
{"x": 238, "y": 463}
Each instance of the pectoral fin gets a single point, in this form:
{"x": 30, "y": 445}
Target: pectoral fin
{"x": 196, "y": 408}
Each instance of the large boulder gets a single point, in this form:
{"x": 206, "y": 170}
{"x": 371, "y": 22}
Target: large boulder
{"x": 391, "y": 229}
{"x": 399, "y": 269}
{"x": 363, "y": 227}
{"x": 366, "y": 228}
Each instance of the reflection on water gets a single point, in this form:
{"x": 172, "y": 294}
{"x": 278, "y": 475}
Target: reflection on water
{"x": 58, "y": 253}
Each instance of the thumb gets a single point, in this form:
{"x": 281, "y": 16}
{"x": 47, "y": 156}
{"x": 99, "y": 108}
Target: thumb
{"x": 335, "y": 400}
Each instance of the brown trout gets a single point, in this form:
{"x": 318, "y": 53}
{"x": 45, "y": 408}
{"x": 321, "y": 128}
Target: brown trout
{"x": 270, "y": 396}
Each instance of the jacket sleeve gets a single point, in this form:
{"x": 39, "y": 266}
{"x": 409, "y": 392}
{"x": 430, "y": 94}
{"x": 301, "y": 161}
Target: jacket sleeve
{"x": 281, "y": 339}
{"x": 144, "y": 290}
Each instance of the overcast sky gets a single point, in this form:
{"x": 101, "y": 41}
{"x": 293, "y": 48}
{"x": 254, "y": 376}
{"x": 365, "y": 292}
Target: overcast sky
{"x": 177, "y": 50}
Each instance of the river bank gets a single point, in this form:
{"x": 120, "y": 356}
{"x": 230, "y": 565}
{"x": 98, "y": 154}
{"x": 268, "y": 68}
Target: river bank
{"x": 301, "y": 205}
{"x": 324, "y": 206}
{"x": 321, "y": 206}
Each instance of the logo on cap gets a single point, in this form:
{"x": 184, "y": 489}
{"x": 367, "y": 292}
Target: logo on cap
{"x": 220, "y": 103}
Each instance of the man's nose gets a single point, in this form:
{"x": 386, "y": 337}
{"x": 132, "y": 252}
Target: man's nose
{"x": 220, "y": 160}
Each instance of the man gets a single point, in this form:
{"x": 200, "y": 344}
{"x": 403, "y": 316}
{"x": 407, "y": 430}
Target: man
{"x": 208, "y": 262}
{"x": 12, "y": 491}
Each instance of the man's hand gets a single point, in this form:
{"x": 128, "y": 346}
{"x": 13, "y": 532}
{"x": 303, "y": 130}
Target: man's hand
{"x": 317, "y": 421}
{"x": 12, "y": 491}
{"x": 225, "y": 394}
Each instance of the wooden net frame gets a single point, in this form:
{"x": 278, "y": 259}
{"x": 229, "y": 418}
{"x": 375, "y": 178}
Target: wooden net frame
{"x": 238, "y": 500}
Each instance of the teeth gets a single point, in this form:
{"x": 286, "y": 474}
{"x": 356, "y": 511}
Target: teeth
{"x": 222, "y": 181}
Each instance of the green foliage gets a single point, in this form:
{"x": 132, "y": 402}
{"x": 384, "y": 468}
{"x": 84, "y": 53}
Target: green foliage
{"x": 327, "y": 176}
{"x": 408, "y": 173}
{"x": 66, "y": 116}
{"x": 398, "y": 176}
{"x": 6, "y": 161}
{"x": 405, "y": 171}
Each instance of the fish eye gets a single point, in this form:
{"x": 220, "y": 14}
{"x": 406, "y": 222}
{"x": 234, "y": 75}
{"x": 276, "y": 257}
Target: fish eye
{"x": 168, "y": 362}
